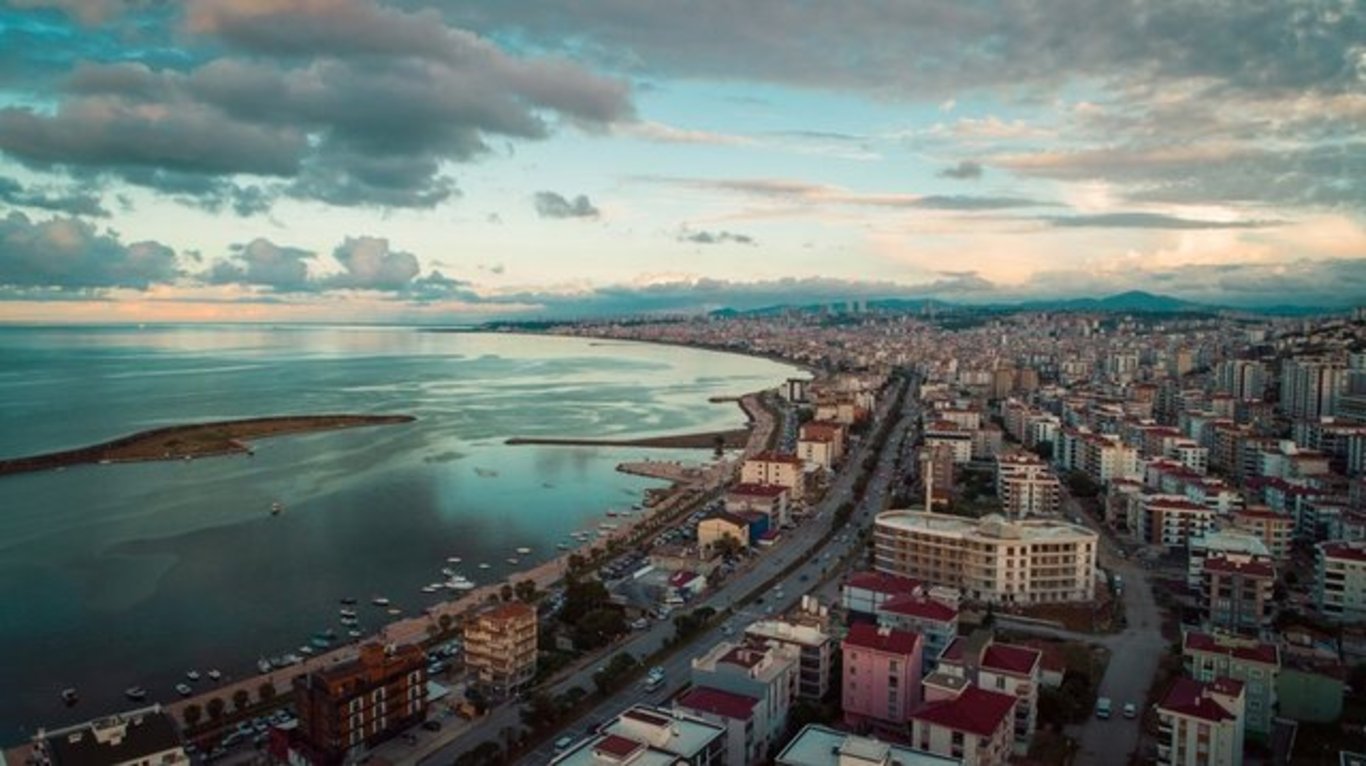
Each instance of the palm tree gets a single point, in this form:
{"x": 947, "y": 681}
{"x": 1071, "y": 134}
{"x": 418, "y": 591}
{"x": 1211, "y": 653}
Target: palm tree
{"x": 240, "y": 699}
{"x": 192, "y": 714}
{"x": 216, "y": 708}
{"x": 446, "y": 621}
{"x": 267, "y": 691}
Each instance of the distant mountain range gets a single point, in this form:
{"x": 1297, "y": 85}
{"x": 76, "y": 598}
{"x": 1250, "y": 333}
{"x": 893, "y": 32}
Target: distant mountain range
{"x": 1134, "y": 301}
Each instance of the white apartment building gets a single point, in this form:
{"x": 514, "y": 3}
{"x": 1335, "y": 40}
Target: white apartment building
{"x": 815, "y": 650}
{"x": 1201, "y": 724}
{"x": 774, "y": 468}
{"x": 766, "y": 672}
{"x": 1220, "y": 543}
{"x": 1035, "y": 561}
{"x": 1172, "y": 520}
{"x": 1340, "y": 580}
{"x": 1027, "y": 486}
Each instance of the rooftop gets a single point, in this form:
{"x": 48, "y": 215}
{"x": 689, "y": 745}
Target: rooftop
{"x": 1241, "y": 649}
{"x": 1351, "y": 551}
{"x": 975, "y": 711}
{"x": 865, "y": 636}
{"x": 818, "y": 745}
{"x": 1008, "y": 658}
{"x": 993, "y": 526}
{"x": 919, "y": 606}
{"x": 704, "y": 699}
{"x": 885, "y": 584}
{"x": 1189, "y": 697}
{"x": 129, "y": 737}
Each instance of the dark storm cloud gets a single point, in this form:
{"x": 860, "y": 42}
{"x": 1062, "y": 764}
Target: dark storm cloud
{"x": 70, "y": 254}
{"x": 1149, "y": 221}
{"x": 343, "y": 101}
{"x": 550, "y": 204}
{"x": 69, "y": 201}
{"x": 715, "y": 238}
{"x": 966, "y": 170}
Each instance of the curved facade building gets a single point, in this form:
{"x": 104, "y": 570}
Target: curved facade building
{"x": 1035, "y": 561}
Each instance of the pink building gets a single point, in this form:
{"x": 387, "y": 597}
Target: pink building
{"x": 882, "y": 673}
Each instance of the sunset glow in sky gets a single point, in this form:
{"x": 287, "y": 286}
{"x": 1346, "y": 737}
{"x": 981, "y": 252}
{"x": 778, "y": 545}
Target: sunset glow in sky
{"x": 281, "y": 160}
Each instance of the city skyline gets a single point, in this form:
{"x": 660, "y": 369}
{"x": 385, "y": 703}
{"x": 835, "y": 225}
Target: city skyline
{"x": 386, "y": 161}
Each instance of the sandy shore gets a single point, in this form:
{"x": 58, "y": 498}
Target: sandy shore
{"x": 734, "y": 439}
{"x": 224, "y": 437}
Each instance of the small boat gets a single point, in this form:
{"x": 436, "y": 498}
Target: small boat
{"x": 562, "y": 546}
{"x": 350, "y": 620}
{"x": 276, "y": 508}
{"x": 70, "y": 697}
{"x": 354, "y": 633}
{"x": 453, "y": 560}
{"x": 183, "y": 690}
{"x": 485, "y": 473}
{"x": 263, "y": 665}
{"x": 379, "y": 601}
{"x": 447, "y": 571}
{"x": 428, "y": 589}
{"x": 347, "y": 612}
{"x": 348, "y": 601}
{"x": 459, "y": 583}
{"x": 307, "y": 651}
{"x": 523, "y": 551}
{"x": 512, "y": 561}
{"x": 319, "y": 643}
{"x": 483, "y": 566}
{"x": 214, "y": 675}
{"x": 135, "y": 693}
{"x": 611, "y": 514}
{"x": 288, "y": 659}
{"x": 193, "y": 675}
{"x": 395, "y": 611}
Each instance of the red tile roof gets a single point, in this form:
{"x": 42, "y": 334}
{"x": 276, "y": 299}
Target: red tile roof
{"x": 1255, "y": 568}
{"x": 882, "y": 583}
{"x": 919, "y": 606}
{"x": 1187, "y": 697}
{"x": 1008, "y": 658}
{"x": 865, "y": 636}
{"x": 618, "y": 747}
{"x": 975, "y": 711}
{"x": 1248, "y": 651}
{"x": 719, "y": 702}
{"x": 1341, "y": 550}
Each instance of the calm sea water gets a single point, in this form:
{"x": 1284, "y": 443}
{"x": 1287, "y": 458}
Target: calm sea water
{"x": 118, "y": 575}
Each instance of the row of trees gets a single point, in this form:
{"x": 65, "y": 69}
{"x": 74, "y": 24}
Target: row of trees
{"x": 216, "y": 707}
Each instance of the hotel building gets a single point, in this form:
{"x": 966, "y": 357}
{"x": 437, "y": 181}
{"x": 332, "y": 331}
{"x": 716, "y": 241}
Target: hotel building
{"x": 358, "y": 704}
{"x": 500, "y": 648}
{"x": 1035, "y": 561}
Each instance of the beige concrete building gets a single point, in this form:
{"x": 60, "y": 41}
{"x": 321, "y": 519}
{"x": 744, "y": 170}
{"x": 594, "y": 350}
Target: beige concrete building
{"x": 500, "y": 647}
{"x": 775, "y": 468}
{"x": 1027, "y": 486}
{"x": 1036, "y": 561}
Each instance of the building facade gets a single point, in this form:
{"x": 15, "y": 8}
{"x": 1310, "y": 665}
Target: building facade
{"x": 1340, "y": 580}
{"x": 500, "y": 648}
{"x": 882, "y": 672}
{"x": 1201, "y": 724}
{"x": 355, "y": 705}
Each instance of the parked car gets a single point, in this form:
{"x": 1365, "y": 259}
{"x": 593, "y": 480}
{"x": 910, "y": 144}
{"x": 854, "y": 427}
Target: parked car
{"x": 1130, "y": 710}
{"x": 432, "y": 725}
{"x": 1103, "y": 708}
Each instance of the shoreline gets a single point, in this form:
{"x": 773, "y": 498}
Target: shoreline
{"x": 732, "y": 439}
{"x": 193, "y": 440}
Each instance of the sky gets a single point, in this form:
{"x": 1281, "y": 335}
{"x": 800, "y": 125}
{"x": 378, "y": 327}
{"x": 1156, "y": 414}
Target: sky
{"x": 398, "y": 161}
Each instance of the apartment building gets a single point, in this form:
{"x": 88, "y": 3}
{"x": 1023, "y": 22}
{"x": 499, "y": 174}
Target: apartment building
{"x": 767, "y": 672}
{"x": 1201, "y": 723}
{"x": 935, "y": 620}
{"x": 1340, "y": 580}
{"x": 1014, "y": 670}
{"x": 1257, "y": 664}
{"x": 144, "y": 736}
{"x": 817, "y": 745}
{"x": 946, "y": 433}
{"x": 970, "y": 724}
{"x": 1034, "y": 561}
{"x": 768, "y": 499}
{"x": 649, "y": 736}
{"x": 815, "y": 649}
{"x": 1027, "y": 486}
{"x": 1236, "y": 594}
{"x": 1220, "y": 542}
{"x": 863, "y": 594}
{"x": 775, "y": 468}
{"x": 500, "y": 648}
{"x": 1275, "y": 530}
{"x": 1171, "y": 521}
{"x": 882, "y": 673}
{"x": 362, "y": 702}
{"x": 821, "y": 443}
{"x": 1310, "y": 388}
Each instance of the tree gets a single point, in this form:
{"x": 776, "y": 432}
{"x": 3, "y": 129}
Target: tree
{"x": 240, "y": 699}
{"x": 598, "y": 627}
{"x": 266, "y": 691}
{"x": 582, "y": 597}
{"x": 505, "y": 592}
{"x": 719, "y": 445}
{"x": 215, "y": 708}
{"x": 445, "y": 621}
{"x": 540, "y": 711}
{"x": 611, "y": 676}
{"x": 526, "y": 591}
{"x": 192, "y": 714}
{"x": 728, "y": 547}
{"x": 1081, "y": 485}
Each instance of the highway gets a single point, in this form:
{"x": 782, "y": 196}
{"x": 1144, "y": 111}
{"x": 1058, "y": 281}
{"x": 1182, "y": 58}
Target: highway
{"x": 799, "y": 544}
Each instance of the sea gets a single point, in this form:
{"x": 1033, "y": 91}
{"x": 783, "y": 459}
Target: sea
{"x": 133, "y": 574}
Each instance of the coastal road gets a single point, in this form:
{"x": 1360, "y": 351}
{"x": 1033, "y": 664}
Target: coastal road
{"x": 798, "y": 544}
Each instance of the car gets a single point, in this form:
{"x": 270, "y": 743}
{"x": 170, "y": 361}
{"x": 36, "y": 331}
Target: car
{"x": 1103, "y": 708}
{"x": 431, "y": 725}
{"x": 563, "y": 743}
{"x": 1130, "y": 710}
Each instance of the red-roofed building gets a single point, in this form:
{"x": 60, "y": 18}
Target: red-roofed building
{"x": 1201, "y": 724}
{"x": 975, "y": 726}
{"x": 1340, "y": 580}
{"x": 767, "y": 672}
{"x": 881, "y": 682}
{"x": 768, "y": 499}
{"x": 1254, "y": 663}
{"x": 736, "y": 713}
{"x": 865, "y": 592}
{"x": 1236, "y": 592}
{"x": 821, "y": 443}
{"x": 1013, "y": 669}
{"x": 935, "y": 621}
{"x": 775, "y": 468}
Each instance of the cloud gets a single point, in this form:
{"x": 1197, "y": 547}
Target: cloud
{"x": 813, "y": 194}
{"x": 85, "y": 11}
{"x": 69, "y": 201}
{"x": 262, "y": 262}
{"x": 346, "y": 102}
{"x": 370, "y": 265}
{"x": 715, "y": 238}
{"x": 552, "y": 205}
{"x": 965, "y": 170}
{"x": 70, "y": 254}
{"x": 669, "y": 134}
{"x": 1149, "y": 221}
